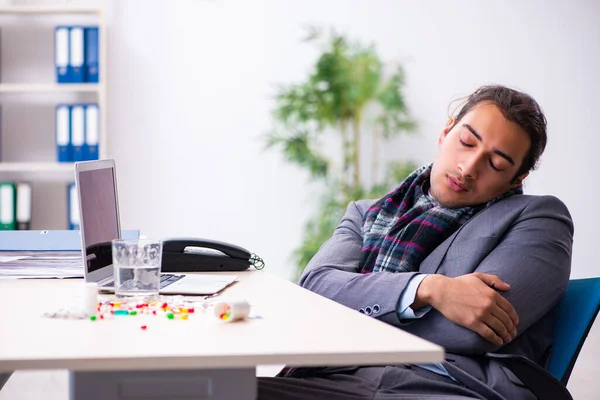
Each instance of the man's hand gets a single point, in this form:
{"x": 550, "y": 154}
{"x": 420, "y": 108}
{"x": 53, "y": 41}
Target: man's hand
{"x": 471, "y": 301}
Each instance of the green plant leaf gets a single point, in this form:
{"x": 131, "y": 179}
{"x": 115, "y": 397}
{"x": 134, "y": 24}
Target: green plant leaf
{"x": 345, "y": 80}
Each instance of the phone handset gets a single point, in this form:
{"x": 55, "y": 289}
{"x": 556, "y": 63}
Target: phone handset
{"x": 211, "y": 248}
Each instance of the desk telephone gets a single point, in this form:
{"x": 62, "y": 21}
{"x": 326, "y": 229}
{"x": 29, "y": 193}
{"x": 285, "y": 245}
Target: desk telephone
{"x": 199, "y": 255}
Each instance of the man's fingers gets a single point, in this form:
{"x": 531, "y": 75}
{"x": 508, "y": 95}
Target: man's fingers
{"x": 508, "y": 309}
{"x": 501, "y": 323}
{"x": 493, "y": 281}
{"x": 488, "y": 334}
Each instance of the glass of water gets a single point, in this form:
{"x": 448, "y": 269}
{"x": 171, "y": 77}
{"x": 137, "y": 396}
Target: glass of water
{"x": 137, "y": 264}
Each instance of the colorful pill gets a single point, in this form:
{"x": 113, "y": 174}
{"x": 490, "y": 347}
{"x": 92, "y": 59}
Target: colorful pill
{"x": 153, "y": 312}
{"x": 164, "y": 305}
{"x": 190, "y": 310}
{"x": 170, "y": 316}
{"x": 144, "y": 327}
{"x": 121, "y": 312}
{"x": 92, "y": 318}
{"x": 184, "y": 316}
{"x": 133, "y": 312}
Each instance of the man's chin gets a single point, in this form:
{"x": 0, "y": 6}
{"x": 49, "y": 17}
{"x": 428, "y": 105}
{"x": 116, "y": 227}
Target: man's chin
{"x": 453, "y": 200}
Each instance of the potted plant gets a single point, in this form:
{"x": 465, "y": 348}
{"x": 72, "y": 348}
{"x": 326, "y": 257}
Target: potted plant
{"x": 348, "y": 94}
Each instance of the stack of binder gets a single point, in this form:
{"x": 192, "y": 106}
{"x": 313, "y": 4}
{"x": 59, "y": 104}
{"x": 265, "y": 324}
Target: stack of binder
{"x": 77, "y": 132}
{"x": 76, "y": 54}
{"x": 15, "y": 205}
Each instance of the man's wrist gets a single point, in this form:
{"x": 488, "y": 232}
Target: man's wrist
{"x": 426, "y": 292}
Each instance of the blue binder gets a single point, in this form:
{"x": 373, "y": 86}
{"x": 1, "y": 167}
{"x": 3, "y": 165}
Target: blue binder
{"x": 61, "y": 53}
{"x": 75, "y": 70}
{"x": 63, "y": 133}
{"x": 72, "y": 207}
{"x": 91, "y": 55}
{"x": 92, "y": 132}
{"x": 77, "y": 132}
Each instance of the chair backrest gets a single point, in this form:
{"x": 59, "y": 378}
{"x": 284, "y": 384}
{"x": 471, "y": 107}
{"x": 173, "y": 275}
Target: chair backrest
{"x": 575, "y": 316}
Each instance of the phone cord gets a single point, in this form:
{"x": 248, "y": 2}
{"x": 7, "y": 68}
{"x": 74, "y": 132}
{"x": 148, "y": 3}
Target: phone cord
{"x": 256, "y": 261}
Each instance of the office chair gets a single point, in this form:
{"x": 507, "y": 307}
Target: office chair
{"x": 575, "y": 316}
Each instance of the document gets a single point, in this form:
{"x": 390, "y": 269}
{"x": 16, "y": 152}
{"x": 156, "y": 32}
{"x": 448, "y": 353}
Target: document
{"x": 41, "y": 264}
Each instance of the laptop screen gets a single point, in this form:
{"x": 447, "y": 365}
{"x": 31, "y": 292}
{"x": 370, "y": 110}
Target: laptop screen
{"x": 98, "y": 212}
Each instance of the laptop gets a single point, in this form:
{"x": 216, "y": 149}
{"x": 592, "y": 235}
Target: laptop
{"x": 99, "y": 221}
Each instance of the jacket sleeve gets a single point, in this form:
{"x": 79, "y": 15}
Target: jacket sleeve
{"x": 334, "y": 273}
{"x": 534, "y": 257}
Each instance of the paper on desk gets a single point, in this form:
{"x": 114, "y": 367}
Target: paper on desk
{"x": 41, "y": 265}
{"x": 9, "y": 258}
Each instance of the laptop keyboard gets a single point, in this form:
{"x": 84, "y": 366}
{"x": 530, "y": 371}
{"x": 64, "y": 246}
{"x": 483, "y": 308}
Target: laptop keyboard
{"x": 165, "y": 280}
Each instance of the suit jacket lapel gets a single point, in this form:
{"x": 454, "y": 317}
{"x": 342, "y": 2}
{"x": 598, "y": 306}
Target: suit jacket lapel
{"x": 432, "y": 263}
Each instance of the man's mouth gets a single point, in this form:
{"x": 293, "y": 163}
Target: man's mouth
{"x": 456, "y": 185}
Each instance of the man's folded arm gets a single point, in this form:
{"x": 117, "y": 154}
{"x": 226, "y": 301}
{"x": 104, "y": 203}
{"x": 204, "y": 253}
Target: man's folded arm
{"x": 334, "y": 273}
{"x": 534, "y": 258}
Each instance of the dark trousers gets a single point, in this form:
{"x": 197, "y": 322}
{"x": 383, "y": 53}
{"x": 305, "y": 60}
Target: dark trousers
{"x": 373, "y": 383}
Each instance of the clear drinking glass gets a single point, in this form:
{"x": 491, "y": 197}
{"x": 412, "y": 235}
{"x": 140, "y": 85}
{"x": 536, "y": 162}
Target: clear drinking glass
{"x": 137, "y": 264}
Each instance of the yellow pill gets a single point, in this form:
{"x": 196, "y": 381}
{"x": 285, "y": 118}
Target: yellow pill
{"x": 184, "y": 316}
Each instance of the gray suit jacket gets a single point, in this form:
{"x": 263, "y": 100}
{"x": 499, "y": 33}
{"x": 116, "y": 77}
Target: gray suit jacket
{"x": 525, "y": 240}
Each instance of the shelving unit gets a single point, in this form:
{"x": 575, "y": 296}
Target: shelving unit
{"x": 50, "y": 88}
{"x": 57, "y": 9}
{"x": 42, "y": 170}
{"x": 36, "y": 167}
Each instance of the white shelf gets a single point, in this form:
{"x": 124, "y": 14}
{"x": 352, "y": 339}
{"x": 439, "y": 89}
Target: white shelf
{"x": 32, "y": 10}
{"x": 49, "y": 87}
{"x": 36, "y": 167}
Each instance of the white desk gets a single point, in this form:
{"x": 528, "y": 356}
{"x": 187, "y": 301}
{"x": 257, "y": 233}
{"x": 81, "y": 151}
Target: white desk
{"x": 114, "y": 359}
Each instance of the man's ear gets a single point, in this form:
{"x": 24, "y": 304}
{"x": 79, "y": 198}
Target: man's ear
{"x": 519, "y": 180}
{"x": 446, "y": 129}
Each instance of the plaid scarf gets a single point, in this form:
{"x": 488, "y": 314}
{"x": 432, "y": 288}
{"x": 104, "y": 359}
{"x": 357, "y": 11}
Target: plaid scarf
{"x": 403, "y": 228}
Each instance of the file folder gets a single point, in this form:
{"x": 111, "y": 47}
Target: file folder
{"x": 24, "y": 202}
{"x": 92, "y": 132}
{"x": 77, "y": 132}
{"x": 48, "y": 240}
{"x": 91, "y": 55}
{"x": 61, "y": 54}
{"x": 63, "y": 133}
{"x": 7, "y": 206}
{"x": 76, "y": 54}
{"x": 72, "y": 207}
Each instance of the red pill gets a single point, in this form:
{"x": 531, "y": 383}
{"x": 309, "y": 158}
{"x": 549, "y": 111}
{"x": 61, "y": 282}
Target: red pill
{"x": 144, "y": 327}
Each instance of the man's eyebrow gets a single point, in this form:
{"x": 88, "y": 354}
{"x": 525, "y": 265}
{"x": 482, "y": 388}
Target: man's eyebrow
{"x": 499, "y": 152}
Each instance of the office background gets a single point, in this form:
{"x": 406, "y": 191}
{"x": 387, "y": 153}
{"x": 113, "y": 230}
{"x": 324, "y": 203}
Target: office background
{"x": 191, "y": 82}
{"x": 190, "y": 96}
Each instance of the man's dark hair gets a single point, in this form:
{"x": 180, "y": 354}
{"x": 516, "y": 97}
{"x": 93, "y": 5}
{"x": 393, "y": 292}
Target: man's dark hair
{"x": 517, "y": 107}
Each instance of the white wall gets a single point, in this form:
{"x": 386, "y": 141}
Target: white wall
{"x": 190, "y": 93}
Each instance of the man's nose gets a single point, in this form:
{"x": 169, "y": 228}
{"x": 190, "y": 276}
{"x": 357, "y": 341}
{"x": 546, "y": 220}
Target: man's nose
{"x": 469, "y": 167}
